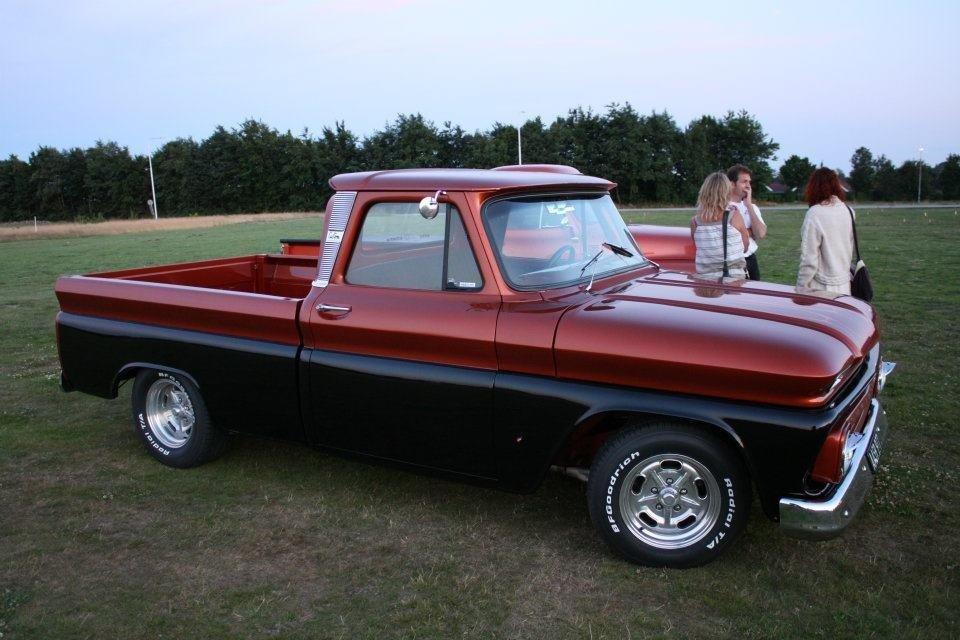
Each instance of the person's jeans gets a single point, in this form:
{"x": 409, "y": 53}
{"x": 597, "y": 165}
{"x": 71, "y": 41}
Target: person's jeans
{"x": 753, "y": 268}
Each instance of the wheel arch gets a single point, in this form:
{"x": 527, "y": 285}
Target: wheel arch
{"x": 597, "y": 425}
{"x": 131, "y": 369}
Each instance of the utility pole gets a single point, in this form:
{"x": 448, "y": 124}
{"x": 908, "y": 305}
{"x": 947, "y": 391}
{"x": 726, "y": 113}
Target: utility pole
{"x": 919, "y": 174}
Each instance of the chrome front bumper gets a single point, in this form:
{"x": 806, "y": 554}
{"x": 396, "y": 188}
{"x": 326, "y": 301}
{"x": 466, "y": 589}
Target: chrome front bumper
{"x": 886, "y": 368}
{"x": 826, "y": 518}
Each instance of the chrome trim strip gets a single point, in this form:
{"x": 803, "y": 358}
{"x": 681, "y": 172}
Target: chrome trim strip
{"x": 824, "y": 519}
{"x": 339, "y": 217}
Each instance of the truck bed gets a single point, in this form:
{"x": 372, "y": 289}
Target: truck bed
{"x": 230, "y": 324}
{"x": 287, "y": 276}
{"x": 256, "y": 296}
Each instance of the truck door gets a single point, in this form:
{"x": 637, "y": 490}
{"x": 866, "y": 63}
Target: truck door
{"x": 401, "y": 341}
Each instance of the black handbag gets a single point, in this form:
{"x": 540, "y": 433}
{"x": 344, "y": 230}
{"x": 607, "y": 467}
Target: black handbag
{"x": 860, "y": 284}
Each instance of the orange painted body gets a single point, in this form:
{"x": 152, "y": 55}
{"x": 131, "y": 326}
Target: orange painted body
{"x": 649, "y": 328}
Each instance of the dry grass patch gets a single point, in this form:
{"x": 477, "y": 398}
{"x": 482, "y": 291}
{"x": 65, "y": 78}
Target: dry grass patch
{"x": 26, "y": 230}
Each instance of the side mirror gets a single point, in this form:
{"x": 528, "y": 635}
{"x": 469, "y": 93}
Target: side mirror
{"x": 430, "y": 205}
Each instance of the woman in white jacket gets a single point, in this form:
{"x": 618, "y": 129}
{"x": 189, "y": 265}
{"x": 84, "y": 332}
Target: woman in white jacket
{"x": 826, "y": 247}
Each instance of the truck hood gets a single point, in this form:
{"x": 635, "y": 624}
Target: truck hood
{"x": 752, "y": 341}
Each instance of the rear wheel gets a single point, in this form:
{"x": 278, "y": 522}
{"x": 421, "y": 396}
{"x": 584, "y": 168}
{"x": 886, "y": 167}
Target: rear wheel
{"x": 171, "y": 419}
{"x": 668, "y": 495}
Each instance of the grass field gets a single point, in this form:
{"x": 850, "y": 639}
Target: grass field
{"x": 273, "y": 540}
{"x": 28, "y": 231}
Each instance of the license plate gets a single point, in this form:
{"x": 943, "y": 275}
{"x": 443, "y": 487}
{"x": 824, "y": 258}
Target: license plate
{"x": 874, "y": 450}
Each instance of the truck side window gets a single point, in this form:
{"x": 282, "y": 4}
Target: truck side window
{"x": 399, "y": 248}
{"x": 462, "y": 272}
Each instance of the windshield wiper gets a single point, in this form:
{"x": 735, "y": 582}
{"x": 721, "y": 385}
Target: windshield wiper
{"x": 590, "y": 262}
{"x": 620, "y": 251}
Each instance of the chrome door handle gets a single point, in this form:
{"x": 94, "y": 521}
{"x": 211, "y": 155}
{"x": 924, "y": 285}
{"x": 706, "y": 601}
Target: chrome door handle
{"x": 328, "y": 308}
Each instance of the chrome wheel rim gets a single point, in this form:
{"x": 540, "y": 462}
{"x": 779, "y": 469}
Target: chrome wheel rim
{"x": 170, "y": 413}
{"x": 669, "y": 501}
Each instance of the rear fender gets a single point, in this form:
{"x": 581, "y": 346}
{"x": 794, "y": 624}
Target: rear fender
{"x": 130, "y": 370}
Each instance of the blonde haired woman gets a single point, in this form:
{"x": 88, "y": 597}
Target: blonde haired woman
{"x": 706, "y": 229}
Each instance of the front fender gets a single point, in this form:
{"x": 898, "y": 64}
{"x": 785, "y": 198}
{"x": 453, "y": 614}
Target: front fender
{"x": 535, "y": 418}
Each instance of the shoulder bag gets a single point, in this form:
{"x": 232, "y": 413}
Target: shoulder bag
{"x": 860, "y": 284}
{"x": 726, "y": 270}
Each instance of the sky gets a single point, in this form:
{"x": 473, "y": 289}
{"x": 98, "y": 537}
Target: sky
{"x": 823, "y": 78}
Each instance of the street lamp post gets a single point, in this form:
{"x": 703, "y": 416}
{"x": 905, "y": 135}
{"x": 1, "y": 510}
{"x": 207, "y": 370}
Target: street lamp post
{"x": 919, "y": 174}
{"x": 153, "y": 189}
{"x": 519, "y": 141}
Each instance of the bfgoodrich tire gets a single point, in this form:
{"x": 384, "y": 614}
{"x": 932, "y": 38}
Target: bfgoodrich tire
{"x": 668, "y": 495}
{"x": 171, "y": 419}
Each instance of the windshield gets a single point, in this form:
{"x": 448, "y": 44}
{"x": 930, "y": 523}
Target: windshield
{"x": 549, "y": 241}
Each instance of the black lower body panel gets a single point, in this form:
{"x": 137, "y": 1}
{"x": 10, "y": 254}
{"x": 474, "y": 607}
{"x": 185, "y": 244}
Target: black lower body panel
{"x": 486, "y": 426}
{"x": 429, "y": 415}
{"x": 247, "y": 385}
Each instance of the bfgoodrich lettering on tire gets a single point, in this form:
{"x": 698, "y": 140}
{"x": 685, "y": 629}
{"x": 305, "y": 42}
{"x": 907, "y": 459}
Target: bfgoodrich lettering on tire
{"x": 668, "y": 495}
{"x": 171, "y": 419}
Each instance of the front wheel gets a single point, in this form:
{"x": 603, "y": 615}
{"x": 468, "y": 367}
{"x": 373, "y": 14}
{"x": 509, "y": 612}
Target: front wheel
{"x": 171, "y": 419}
{"x": 668, "y": 495}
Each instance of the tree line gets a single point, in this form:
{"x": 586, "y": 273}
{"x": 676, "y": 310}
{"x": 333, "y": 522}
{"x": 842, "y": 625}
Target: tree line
{"x": 253, "y": 167}
{"x": 879, "y": 179}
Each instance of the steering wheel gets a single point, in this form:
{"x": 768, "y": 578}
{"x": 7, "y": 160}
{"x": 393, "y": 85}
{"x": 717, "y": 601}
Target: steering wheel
{"x": 563, "y": 255}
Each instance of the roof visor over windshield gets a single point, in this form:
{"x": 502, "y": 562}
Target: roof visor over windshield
{"x": 546, "y": 241}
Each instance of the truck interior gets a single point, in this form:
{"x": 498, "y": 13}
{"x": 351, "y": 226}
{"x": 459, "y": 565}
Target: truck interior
{"x": 288, "y": 276}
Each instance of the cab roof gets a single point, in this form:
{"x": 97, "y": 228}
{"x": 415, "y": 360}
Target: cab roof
{"x": 499, "y": 179}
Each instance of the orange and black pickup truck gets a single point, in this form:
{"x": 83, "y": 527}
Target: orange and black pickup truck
{"x": 492, "y": 325}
